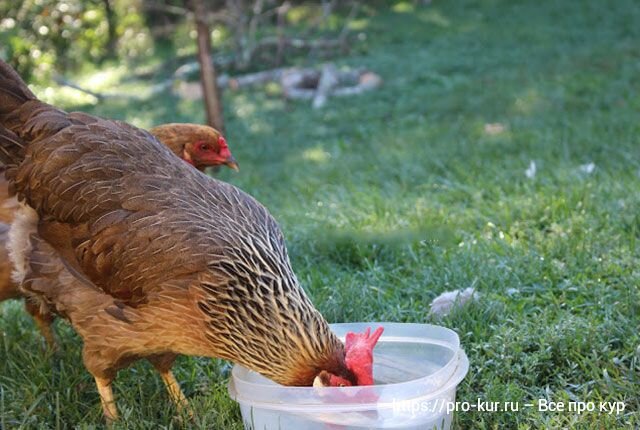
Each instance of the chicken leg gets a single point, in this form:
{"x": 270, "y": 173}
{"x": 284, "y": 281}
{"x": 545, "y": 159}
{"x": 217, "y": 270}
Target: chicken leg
{"x": 114, "y": 335}
{"x": 106, "y": 399}
{"x": 163, "y": 363}
{"x": 43, "y": 320}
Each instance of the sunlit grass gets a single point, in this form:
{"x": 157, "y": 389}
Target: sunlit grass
{"x": 63, "y": 96}
{"x": 317, "y": 155}
{"x": 390, "y": 198}
{"x": 104, "y": 79}
{"x": 403, "y": 7}
{"x": 434, "y": 17}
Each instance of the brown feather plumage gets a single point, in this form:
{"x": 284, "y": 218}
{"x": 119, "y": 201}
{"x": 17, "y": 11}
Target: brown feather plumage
{"x": 8, "y": 289}
{"x": 179, "y": 143}
{"x": 8, "y": 204}
{"x": 194, "y": 265}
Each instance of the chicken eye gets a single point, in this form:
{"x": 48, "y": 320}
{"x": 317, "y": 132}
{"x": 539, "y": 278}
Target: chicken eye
{"x": 341, "y": 385}
{"x": 205, "y": 148}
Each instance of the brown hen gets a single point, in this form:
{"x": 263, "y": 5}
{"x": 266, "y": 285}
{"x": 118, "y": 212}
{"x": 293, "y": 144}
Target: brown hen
{"x": 9, "y": 289}
{"x": 155, "y": 259}
{"x": 199, "y": 145}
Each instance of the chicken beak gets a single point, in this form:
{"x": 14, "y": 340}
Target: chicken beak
{"x": 321, "y": 380}
{"x": 232, "y": 163}
{"x": 318, "y": 382}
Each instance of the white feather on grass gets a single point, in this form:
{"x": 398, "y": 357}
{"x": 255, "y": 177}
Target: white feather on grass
{"x": 449, "y": 300}
{"x": 588, "y": 168}
{"x": 531, "y": 170}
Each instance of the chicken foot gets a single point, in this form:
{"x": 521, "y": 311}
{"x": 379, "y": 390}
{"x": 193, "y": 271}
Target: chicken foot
{"x": 105, "y": 373}
{"x": 114, "y": 335}
{"x": 162, "y": 364}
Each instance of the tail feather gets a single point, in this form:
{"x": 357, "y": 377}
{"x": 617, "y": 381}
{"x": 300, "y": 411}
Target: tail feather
{"x": 14, "y": 93}
{"x": 11, "y": 148}
{"x": 23, "y": 118}
{"x": 13, "y": 90}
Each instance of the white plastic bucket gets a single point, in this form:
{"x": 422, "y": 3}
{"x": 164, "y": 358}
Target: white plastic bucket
{"x": 417, "y": 368}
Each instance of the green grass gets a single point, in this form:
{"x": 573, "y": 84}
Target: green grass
{"x": 390, "y": 198}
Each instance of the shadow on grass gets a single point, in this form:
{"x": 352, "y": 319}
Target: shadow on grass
{"x": 357, "y": 250}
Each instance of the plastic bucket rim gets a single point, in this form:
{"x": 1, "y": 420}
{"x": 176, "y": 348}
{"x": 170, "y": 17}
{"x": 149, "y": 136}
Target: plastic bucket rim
{"x": 448, "y": 366}
{"x": 458, "y": 376}
{"x": 452, "y": 367}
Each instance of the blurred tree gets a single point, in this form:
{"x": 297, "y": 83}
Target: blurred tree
{"x": 40, "y": 36}
{"x": 38, "y": 33}
{"x": 210, "y": 89}
{"x": 162, "y": 18}
{"x": 112, "y": 39}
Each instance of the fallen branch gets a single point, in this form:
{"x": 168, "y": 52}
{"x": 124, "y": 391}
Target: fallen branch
{"x": 62, "y": 81}
{"x": 298, "y": 43}
{"x": 311, "y": 84}
{"x": 327, "y": 82}
{"x": 296, "y": 83}
{"x": 366, "y": 82}
{"x": 253, "y": 78}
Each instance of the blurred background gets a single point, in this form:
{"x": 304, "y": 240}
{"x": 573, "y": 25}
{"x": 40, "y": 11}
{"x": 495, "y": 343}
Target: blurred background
{"x": 50, "y": 41}
{"x": 407, "y": 148}
{"x": 42, "y": 37}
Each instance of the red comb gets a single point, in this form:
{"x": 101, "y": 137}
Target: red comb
{"x": 359, "y": 354}
{"x": 222, "y": 142}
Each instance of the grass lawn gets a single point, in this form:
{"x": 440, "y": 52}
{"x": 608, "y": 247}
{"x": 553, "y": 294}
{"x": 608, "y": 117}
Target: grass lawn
{"x": 390, "y": 198}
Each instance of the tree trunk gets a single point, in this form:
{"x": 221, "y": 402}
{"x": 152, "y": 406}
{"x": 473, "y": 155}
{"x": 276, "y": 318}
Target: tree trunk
{"x": 111, "y": 29}
{"x": 212, "y": 102}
